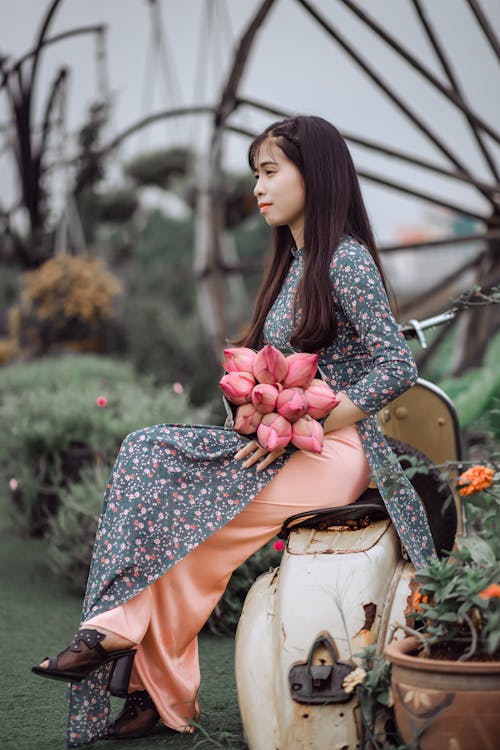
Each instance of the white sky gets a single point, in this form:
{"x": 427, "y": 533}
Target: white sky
{"x": 293, "y": 65}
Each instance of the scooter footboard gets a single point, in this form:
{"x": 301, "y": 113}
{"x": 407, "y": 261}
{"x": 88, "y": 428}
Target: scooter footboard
{"x": 348, "y": 586}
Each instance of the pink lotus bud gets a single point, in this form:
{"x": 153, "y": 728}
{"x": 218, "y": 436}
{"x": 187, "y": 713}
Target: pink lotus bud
{"x": 307, "y": 434}
{"x": 274, "y": 431}
{"x": 269, "y": 365}
{"x": 320, "y": 399}
{"x": 264, "y": 397}
{"x": 237, "y": 387}
{"x": 301, "y": 369}
{"x": 240, "y": 359}
{"x": 291, "y": 403}
{"x": 247, "y": 419}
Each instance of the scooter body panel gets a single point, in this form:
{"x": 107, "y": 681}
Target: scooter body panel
{"x": 424, "y": 417}
{"x": 285, "y": 611}
{"x": 349, "y": 586}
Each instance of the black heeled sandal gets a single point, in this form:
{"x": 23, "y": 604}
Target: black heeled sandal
{"x": 137, "y": 719}
{"x": 83, "y": 656}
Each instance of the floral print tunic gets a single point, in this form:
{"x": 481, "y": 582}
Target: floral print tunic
{"x": 173, "y": 486}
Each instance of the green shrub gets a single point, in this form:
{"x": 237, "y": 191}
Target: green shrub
{"x": 115, "y": 205}
{"x": 474, "y": 392}
{"x": 48, "y": 373}
{"x": 55, "y": 425}
{"x": 159, "y": 167}
{"x": 71, "y": 530}
{"x": 159, "y": 328}
{"x": 493, "y": 423}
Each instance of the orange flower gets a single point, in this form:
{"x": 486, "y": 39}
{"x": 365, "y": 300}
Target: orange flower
{"x": 419, "y": 599}
{"x": 491, "y": 592}
{"x": 475, "y": 479}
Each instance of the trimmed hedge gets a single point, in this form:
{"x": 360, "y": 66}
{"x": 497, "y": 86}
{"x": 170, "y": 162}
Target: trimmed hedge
{"x": 54, "y": 425}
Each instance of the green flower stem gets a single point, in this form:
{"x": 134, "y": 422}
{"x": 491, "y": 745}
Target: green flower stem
{"x": 473, "y": 631}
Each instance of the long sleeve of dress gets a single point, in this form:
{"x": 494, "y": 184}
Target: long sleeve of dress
{"x": 380, "y": 351}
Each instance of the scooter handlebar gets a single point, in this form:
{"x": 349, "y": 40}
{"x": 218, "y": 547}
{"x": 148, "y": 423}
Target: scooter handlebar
{"x": 414, "y": 329}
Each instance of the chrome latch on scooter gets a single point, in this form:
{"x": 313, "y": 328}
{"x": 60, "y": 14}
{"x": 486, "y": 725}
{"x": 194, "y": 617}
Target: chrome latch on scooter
{"x": 319, "y": 683}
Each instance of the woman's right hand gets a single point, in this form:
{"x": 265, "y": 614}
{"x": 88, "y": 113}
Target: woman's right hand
{"x": 253, "y": 453}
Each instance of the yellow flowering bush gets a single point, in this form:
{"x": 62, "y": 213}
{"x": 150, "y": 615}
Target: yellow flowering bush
{"x": 67, "y": 299}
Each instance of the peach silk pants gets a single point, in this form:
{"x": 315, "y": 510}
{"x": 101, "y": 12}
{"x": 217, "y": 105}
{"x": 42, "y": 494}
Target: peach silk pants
{"x": 165, "y": 618}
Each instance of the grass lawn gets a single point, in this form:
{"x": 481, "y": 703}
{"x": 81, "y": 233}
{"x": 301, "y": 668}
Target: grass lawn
{"x": 38, "y": 617}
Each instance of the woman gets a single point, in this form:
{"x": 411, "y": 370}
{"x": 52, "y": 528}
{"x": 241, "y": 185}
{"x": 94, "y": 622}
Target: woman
{"x": 187, "y": 504}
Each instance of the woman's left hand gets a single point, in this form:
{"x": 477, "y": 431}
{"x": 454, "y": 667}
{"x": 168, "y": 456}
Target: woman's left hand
{"x": 255, "y": 454}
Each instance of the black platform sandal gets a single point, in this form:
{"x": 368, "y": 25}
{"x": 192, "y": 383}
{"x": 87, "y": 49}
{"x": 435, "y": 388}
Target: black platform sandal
{"x": 83, "y": 656}
{"x": 137, "y": 719}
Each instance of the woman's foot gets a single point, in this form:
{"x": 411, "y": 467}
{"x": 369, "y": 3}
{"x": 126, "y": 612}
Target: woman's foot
{"x": 138, "y": 718}
{"x": 84, "y": 655}
{"x": 110, "y": 642}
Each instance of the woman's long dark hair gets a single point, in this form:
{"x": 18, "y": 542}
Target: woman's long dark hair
{"x": 333, "y": 207}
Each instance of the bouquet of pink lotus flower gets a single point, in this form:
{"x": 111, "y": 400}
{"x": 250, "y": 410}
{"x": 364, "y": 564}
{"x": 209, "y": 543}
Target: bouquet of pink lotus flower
{"x": 277, "y": 397}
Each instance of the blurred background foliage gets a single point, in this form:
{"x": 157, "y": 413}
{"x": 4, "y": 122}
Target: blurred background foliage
{"x": 131, "y": 290}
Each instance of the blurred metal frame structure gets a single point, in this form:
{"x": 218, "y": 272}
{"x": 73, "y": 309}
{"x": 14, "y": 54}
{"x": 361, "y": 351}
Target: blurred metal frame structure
{"x": 29, "y": 151}
{"x": 212, "y": 265}
{"x": 486, "y": 320}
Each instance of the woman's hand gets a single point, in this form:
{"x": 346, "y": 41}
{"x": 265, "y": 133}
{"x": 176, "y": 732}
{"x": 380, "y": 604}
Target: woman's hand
{"x": 343, "y": 415}
{"x": 253, "y": 453}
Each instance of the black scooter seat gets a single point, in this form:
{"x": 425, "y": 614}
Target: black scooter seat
{"x": 368, "y": 507}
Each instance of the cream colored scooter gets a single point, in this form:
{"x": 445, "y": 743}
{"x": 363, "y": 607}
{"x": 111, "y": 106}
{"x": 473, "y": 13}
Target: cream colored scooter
{"x": 342, "y": 583}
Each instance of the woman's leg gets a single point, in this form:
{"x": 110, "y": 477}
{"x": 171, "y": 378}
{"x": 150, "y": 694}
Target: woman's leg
{"x": 166, "y": 617}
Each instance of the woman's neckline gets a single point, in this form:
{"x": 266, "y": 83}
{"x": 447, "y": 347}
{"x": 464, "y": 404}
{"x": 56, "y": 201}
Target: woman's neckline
{"x": 296, "y": 251}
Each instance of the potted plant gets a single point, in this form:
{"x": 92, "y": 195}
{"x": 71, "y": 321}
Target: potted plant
{"x": 445, "y": 675}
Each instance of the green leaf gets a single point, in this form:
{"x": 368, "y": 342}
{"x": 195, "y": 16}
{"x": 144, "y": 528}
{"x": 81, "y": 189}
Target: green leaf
{"x": 478, "y": 548}
{"x": 493, "y": 641}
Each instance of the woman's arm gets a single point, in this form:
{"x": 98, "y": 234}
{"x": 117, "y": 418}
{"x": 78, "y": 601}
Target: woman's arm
{"x": 360, "y": 294}
{"x": 345, "y": 413}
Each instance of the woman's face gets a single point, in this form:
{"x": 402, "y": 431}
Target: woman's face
{"x": 280, "y": 190}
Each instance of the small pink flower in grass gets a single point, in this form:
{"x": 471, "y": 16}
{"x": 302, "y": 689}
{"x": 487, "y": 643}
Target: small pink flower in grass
{"x": 279, "y": 545}
{"x": 13, "y": 484}
{"x": 301, "y": 369}
{"x": 239, "y": 359}
{"x": 307, "y": 434}
{"x": 101, "y": 401}
{"x": 178, "y": 388}
{"x": 274, "y": 431}
{"x": 269, "y": 365}
{"x": 237, "y": 387}
{"x": 291, "y": 404}
{"x": 320, "y": 399}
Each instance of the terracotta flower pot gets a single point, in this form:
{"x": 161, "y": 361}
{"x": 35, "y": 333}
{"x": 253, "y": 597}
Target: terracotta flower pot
{"x": 453, "y": 704}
